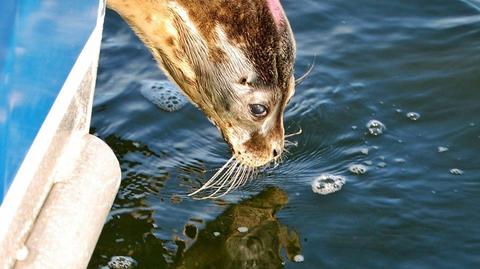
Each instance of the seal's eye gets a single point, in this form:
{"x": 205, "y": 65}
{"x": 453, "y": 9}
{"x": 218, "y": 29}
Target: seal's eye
{"x": 258, "y": 110}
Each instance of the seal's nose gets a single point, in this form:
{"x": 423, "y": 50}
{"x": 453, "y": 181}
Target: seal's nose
{"x": 275, "y": 153}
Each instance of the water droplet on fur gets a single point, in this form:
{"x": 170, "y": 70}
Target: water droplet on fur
{"x": 358, "y": 169}
{"x": 375, "y": 127}
{"x": 413, "y": 116}
{"x": 163, "y": 94}
{"x": 327, "y": 183}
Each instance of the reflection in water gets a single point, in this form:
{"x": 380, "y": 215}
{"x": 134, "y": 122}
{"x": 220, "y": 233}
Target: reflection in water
{"x": 245, "y": 235}
{"x": 225, "y": 244}
{"x": 131, "y": 235}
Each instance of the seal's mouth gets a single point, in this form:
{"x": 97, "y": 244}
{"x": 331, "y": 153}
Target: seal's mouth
{"x": 235, "y": 173}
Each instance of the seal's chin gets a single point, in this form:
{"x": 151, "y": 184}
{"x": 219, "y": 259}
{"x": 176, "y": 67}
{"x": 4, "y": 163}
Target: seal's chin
{"x": 253, "y": 162}
{"x": 256, "y": 157}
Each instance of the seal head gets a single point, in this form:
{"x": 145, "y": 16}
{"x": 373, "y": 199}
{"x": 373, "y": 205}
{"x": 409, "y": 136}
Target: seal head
{"x": 233, "y": 59}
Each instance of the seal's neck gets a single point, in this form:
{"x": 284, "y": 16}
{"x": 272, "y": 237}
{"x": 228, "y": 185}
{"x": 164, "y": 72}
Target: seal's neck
{"x": 147, "y": 18}
{"x": 153, "y": 22}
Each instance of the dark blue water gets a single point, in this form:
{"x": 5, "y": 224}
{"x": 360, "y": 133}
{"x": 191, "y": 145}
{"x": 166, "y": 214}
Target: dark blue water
{"x": 374, "y": 60}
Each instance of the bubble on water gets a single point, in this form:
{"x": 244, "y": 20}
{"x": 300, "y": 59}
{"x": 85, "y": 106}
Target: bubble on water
{"x": 442, "y": 149}
{"x": 456, "y": 171}
{"x": 242, "y": 229}
{"x": 398, "y": 110}
{"x": 327, "y": 183}
{"x": 358, "y": 169}
{"x": 375, "y": 127}
{"x": 122, "y": 262}
{"x": 354, "y": 127}
{"x": 413, "y": 116}
{"x": 399, "y": 160}
{"x": 298, "y": 258}
{"x": 216, "y": 234}
{"x": 163, "y": 94}
{"x": 369, "y": 163}
{"x": 364, "y": 151}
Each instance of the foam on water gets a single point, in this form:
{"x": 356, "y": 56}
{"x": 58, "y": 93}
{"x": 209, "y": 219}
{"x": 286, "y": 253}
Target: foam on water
{"x": 375, "y": 127}
{"x": 122, "y": 262}
{"x": 327, "y": 183}
{"x": 298, "y": 258}
{"x": 163, "y": 94}
{"x": 358, "y": 169}
{"x": 414, "y": 116}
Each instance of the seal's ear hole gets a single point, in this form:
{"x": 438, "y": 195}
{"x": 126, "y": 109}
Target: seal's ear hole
{"x": 243, "y": 81}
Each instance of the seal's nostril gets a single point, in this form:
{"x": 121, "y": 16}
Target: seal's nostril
{"x": 275, "y": 153}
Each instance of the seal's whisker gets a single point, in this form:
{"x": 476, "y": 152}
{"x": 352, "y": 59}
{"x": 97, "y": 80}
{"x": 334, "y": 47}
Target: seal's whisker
{"x": 212, "y": 179}
{"x": 241, "y": 182}
{"x": 276, "y": 163}
{"x": 218, "y": 186}
{"x": 246, "y": 176}
{"x": 238, "y": 180}
{"x": 294, "y": 134}
{"x": 302, "y": 78}
{"x": 254, "y": 173}
{"x": 215, "y": 178}
{"x": 225, "y": 177}
{"x": 290, "y": 143}
{"x": 233, "y": 182}
{"x": 233, "y": 175}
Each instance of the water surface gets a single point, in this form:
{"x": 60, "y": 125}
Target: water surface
{"x": 375, "y": 60}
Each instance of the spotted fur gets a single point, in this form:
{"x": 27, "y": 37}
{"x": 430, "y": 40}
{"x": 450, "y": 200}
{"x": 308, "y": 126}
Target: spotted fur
{"x": 224, "y": 55}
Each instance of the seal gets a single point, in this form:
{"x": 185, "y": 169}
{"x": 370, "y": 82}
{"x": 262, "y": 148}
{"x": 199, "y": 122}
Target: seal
{"x": 233, "y": 59}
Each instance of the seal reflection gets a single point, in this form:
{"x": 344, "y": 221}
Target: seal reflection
{"x": 221, "y": 245}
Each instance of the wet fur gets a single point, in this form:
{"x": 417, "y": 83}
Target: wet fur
{"x": 224, "y": 55}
